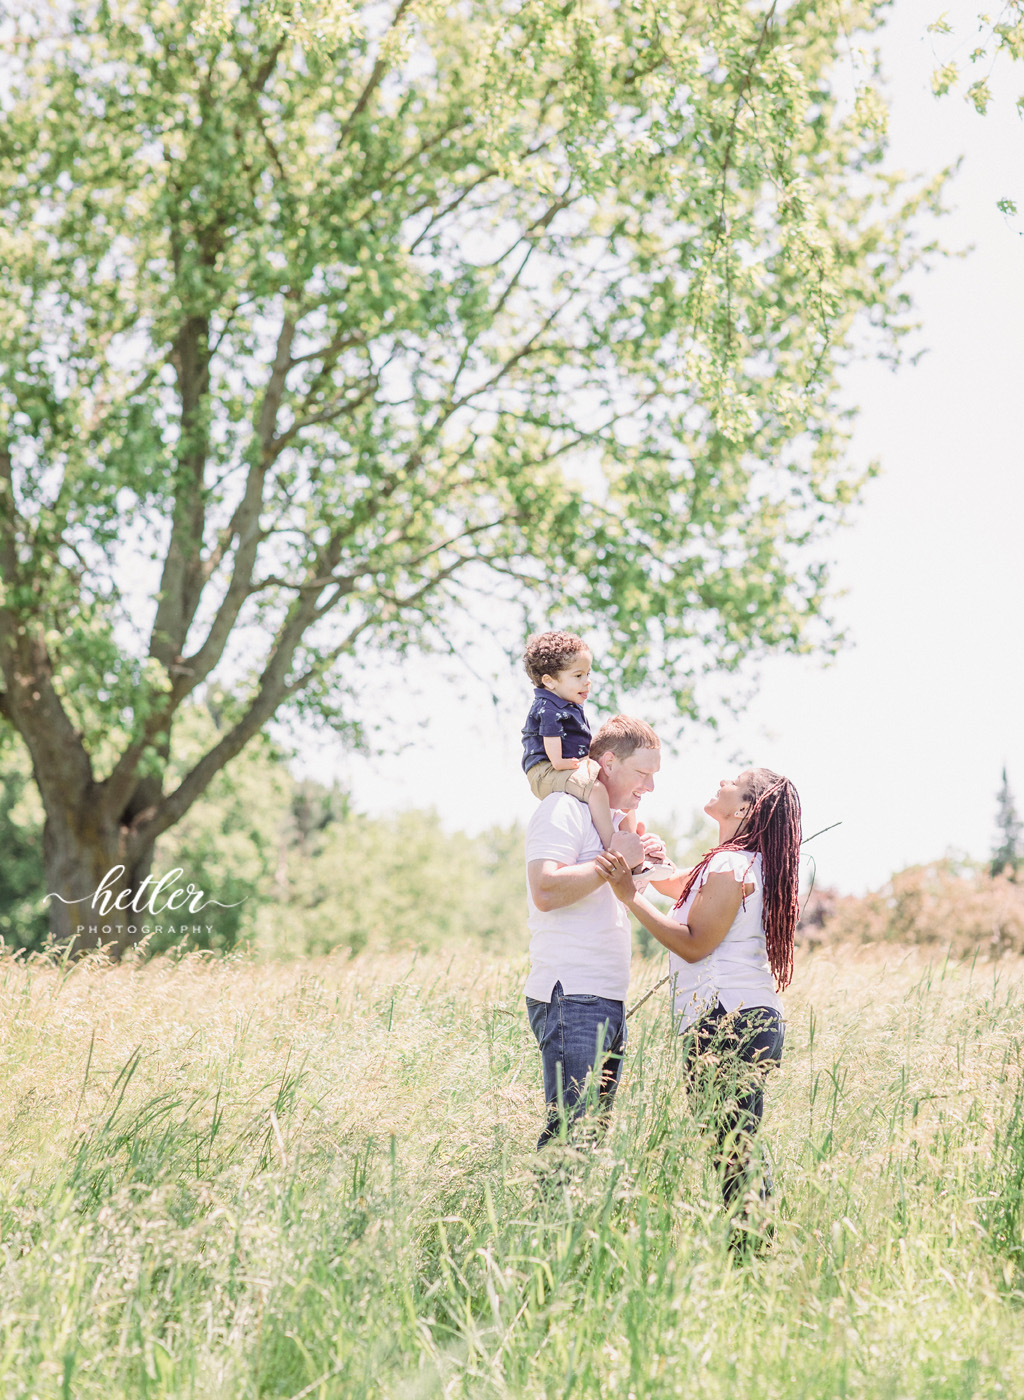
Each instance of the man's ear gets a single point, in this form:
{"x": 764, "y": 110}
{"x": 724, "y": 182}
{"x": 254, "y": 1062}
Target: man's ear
{"x": 605, "y": 759}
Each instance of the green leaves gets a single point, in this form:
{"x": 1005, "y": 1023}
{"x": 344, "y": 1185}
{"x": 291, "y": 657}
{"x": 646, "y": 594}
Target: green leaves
{"x": 327, "y": 310}
{"x": 999, "y": 37}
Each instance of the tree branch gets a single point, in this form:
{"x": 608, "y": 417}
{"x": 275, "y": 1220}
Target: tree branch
{"x": 272, "y": 688}
{"x": 328, "y": 414}
{"x": 9, "y": 519}
{"x": 721, "y": 221}
{"x": 181, "y": 582}
{"x": 189, "y": 672}
{"x": 379, "y": 69}
{"x": 400, "y": 604}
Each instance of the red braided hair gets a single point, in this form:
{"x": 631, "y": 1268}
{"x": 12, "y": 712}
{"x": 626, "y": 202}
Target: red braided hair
{"x": 771, "y": 827}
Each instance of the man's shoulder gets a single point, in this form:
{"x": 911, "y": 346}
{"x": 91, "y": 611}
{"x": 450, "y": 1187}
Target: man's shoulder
{"x": 562, "y": 813}
{"x": 561, "y": 806}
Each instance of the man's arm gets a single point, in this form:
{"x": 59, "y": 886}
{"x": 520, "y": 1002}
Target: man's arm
{"x": 554, "y": 886}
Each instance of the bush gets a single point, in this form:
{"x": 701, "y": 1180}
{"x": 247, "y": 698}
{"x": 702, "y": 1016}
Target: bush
{"x": 400, "y": 882}
{"x": 24, "y": 921}
{"x": 947, "y": 903}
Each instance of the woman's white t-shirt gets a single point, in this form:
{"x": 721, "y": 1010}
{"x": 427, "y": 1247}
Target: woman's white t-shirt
{"x": 737, "y": 973}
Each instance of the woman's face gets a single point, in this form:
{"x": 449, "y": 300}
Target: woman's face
{"x": 732, "y": 800}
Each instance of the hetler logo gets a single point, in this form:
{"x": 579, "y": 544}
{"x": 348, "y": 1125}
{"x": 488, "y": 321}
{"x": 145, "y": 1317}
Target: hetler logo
{"x": 153, "y": 896}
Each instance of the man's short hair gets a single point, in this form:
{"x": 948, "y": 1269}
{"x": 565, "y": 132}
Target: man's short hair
{"x": 622, "y": 736}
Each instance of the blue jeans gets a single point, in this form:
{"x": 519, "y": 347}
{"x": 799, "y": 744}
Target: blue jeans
{"x": 575, "y": 1033}
{"x": 727, "y": 1061}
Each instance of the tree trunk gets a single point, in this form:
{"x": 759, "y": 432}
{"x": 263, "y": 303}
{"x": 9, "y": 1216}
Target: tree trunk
{"x": 86, "y": 871}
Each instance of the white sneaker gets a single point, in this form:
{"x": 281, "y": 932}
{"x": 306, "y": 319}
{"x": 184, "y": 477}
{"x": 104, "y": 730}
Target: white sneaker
{"x": 649, "y": 873}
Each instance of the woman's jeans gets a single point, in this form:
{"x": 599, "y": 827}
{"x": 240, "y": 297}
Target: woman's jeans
{"x": 575, "y": 1033}
{"x": 727, "y": 1061}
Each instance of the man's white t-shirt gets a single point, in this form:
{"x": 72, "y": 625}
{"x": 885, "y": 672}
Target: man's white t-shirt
{"x": 586, "y": 945}
{"x": 737, "y": 973}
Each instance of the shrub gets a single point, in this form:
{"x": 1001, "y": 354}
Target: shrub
{"x": 946, "y": 903}
{"x": 401, "y": 882}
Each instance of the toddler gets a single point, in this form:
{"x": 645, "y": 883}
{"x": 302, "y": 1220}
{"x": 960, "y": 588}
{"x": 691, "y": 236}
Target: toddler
{"x": 556, "y": 736}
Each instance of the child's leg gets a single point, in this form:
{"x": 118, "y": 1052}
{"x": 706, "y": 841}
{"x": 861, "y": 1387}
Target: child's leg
{"x": 601, "y": 812}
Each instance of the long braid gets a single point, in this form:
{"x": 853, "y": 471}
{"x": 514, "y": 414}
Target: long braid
{"x": 771, "y": 827}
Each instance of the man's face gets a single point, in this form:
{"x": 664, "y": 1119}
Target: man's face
{"x": 628, "y": 779}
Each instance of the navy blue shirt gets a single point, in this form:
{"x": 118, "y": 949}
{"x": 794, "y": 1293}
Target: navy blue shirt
{"x": 551, "y": 717}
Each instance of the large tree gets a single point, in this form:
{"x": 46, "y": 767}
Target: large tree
{"x": 310, "y": 319}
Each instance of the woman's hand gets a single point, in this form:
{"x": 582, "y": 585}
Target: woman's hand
{"x": 612, "y": 866}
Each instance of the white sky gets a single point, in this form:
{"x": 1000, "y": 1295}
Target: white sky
{"x": 903, "y": 737}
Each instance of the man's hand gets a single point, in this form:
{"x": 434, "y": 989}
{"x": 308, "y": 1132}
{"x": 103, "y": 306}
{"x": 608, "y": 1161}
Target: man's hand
{"x": 655, "y": 849}
{"x": 629, "y": 846}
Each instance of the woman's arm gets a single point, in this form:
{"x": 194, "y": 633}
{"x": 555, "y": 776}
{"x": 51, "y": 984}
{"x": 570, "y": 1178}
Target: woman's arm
{"x": 711, "y": 914}
{"x": 674, "y": 886}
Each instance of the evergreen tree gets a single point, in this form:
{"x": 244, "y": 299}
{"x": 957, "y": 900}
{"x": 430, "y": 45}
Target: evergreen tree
{"x": 1008, "y": 850}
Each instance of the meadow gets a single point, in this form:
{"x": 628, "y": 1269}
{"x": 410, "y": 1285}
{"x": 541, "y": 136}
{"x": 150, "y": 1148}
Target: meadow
{"x": 235, "y": 1178}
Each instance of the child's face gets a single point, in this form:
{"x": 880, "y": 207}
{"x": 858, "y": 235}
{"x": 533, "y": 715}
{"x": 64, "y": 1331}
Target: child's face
{"x": 573, "y": 681}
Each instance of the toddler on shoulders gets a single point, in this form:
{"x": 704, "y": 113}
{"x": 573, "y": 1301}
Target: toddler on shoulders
{"x": 556, "y": 735}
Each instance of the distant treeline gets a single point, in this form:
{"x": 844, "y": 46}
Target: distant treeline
{"x": 303, "y": 873}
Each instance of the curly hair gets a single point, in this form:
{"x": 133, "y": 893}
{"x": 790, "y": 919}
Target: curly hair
{"x": 547, "y": 653}
{"x": 772, "y": 827}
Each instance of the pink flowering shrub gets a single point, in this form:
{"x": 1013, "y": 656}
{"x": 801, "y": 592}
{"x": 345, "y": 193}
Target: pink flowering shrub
{"x": 945, "y": 903}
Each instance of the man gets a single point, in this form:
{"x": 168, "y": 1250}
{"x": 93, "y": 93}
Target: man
{"x": 580, "y": 937}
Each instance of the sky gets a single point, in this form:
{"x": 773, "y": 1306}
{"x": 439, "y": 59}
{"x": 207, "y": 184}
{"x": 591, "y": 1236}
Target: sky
{"x": 903, "y": 736}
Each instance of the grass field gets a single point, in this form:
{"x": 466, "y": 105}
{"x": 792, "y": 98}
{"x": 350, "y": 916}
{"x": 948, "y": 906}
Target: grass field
{"x": 236, "y": 1179}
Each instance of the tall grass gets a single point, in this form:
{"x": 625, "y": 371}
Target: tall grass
{"x": 315, "y": 1179}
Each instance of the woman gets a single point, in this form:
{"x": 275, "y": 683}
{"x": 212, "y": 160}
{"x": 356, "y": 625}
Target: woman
{"x": 730, "y": 939}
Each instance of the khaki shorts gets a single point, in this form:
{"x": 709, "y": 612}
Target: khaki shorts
{"x": 579, "y": 782}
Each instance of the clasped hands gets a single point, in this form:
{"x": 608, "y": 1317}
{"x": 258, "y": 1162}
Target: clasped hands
{"x": 627, "y": 850}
